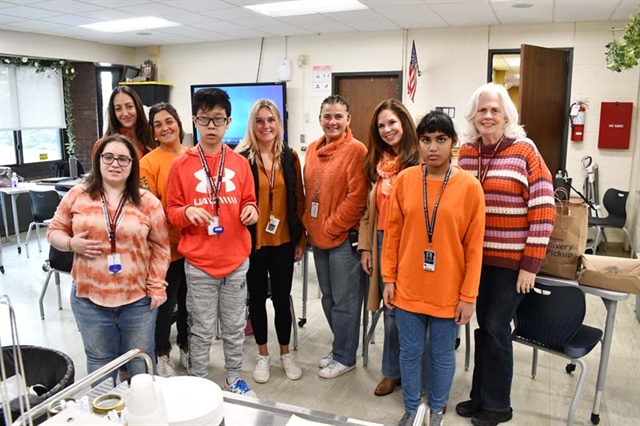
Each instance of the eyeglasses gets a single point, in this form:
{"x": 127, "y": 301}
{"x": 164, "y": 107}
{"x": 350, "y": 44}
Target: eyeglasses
{"x": 217, "y": 121}
{"x": 108, "y": 159}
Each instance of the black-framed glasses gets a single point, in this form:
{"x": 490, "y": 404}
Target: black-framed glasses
{"x": 108, "y": 159}
{"x": 217, "y": 121}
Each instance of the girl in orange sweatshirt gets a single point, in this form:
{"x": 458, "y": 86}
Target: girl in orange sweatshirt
{"x": 431, "y": 268}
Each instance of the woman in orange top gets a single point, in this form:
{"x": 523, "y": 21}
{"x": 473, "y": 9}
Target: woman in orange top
{"x": 154, "y": 174}
{"x": 431, "y": 268}
{"x": 277, "y": 238}
{"x": 127, "y": 118}
{"x": 393, "y": 146}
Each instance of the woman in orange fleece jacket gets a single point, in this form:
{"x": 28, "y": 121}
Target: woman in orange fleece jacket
{"x": 336, "y": 189}
{"x": 431, "y": 269}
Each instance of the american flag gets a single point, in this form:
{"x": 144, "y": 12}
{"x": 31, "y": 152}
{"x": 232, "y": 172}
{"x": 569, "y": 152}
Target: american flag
{"x": 412, "y": 84}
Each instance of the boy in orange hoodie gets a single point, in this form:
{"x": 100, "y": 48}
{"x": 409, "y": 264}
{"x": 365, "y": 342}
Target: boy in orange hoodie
{"x": 211, "y": 197}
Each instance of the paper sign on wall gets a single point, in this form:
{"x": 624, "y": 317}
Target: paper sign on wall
{"x": 321, "y": 80}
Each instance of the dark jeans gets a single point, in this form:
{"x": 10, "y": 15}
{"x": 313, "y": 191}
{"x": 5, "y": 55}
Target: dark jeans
{"x": 273, "y": 263}
{"x": 495, "y": 308}
{"x": 176, "y": 291}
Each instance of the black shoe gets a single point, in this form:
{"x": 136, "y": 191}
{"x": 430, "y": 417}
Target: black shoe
{"x": 491, "y": 418}
{"x": 468, "y": 408}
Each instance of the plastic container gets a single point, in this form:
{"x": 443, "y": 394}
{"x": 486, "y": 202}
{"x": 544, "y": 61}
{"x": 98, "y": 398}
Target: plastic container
{"x": 14, "y": 180}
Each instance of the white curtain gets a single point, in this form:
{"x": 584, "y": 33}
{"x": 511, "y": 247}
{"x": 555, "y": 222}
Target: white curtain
{"x": 30, "y": 100}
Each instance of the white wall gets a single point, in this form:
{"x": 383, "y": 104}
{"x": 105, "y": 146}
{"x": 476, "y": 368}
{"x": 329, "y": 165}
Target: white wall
{"x": 15, "y": 43}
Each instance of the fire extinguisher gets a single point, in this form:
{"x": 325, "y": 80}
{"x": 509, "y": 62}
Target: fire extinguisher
{"x": 577, "y": 115}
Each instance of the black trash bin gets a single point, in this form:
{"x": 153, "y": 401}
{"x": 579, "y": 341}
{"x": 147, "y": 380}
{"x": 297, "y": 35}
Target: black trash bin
{"x": 48, "y": 367}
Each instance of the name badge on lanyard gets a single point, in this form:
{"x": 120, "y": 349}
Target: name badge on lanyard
{"x": 213, "y": 190}
{"x": 114, "y": 264}
{"x": 429, "y": 255}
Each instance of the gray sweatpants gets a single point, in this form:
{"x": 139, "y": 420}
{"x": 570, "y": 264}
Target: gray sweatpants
{"x": 209, "y": 298}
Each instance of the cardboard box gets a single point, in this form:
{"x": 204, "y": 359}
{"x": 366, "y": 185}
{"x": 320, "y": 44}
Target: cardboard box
{"x": 611, "y": 273}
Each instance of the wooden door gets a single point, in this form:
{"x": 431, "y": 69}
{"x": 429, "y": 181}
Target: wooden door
{"x": 544, "y": 101}
{"x": 364, "y": 92}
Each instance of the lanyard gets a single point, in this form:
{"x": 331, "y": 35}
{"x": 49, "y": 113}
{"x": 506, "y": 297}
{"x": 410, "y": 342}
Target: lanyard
{"x": 482, "y": 173}
{"x": 271, "y": 178}
{"x": 113, "y": 222}
{"x": 213, "y": 187}
{"x": 431, "y": 225}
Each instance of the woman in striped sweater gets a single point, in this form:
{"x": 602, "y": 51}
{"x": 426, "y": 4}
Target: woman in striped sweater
{"x": 520, "y": 214}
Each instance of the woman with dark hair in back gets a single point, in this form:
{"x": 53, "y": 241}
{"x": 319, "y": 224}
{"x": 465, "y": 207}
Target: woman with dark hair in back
{"x": 393, "y": 146}
{"x": 154, "y": 175}
{"x": 127, "y": 118}
{"x": 118, "y": 234}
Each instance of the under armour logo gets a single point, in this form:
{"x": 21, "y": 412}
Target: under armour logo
{"x": 229, "y": 186}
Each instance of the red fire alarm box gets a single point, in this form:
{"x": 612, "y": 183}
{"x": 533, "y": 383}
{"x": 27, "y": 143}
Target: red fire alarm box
{"x": 615, "y": 125}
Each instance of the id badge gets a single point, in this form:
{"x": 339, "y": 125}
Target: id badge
{"x": 214, "y": 227}
{"x": 114, "y": 263}
{"x": 429, "y": 260}
{"x": 314, "y": 209}
{"x": 272, "y": 226}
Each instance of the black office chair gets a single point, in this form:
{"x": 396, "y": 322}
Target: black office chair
{"x": 550, "y": 318}
{"x": 615, "y": 201}
{"x": 60, "y": 262}
{"x": 43, "y": 207}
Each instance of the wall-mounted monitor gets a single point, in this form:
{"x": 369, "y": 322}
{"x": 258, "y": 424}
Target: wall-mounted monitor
{"x": 242, "y": 97}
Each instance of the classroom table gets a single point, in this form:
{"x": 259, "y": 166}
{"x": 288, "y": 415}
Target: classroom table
{"x": 610, "y": 299}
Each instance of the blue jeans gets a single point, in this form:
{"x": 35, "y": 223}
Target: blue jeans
{"x": 342, "y": 283}
{"x": 495, "y": 308}
{"x": 391, "y": 346}
{"x": 412, "y": 329}
{"x": 108, "y": 333}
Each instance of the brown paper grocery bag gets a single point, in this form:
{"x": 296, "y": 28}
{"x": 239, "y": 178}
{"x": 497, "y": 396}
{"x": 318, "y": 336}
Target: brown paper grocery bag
{"x": 611, "y": 273}
{"x": 568, "y": 240}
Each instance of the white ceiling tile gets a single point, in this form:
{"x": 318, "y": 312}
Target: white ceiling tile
{"x": 30, "y": 12}
{"x": 567, "y": 12}
{"x": 383, "y": 4}
{"x": 21, "y": 2}
{"x": 67, "y": 5}
{"x": 188, "y": 18}
{"x": 460, "y": 14}
{"x": 198, "y": 5}
{"x": 157, "y": 9}
{"x": 540, "y": 12}
{"x": 6, "y": 19}
{"x": 233, "y": 30}
{"x": 363, "y": 20}
{"x": 624, "y": 11}
{"x": 38, "y": 25}
{"x": 236, "y": 14}
{"x": 116, "y": 4}
{"x": 276, "y": 27}
{"x": 109, "y": 15}
{"x": 316, "y": 23}
{"x": 416, "y": 16}
{"x": 71, "y": 20}
{"x": 192, "y": 32}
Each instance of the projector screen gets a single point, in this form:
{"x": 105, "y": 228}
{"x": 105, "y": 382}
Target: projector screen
{"x": 242, "y": 97}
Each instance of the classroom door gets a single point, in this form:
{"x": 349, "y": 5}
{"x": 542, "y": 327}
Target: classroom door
{"x": 544, "y": 105}
{"x": 364, "y": 92}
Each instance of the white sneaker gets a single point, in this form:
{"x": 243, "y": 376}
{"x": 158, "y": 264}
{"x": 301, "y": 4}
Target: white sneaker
{"x": 292, "y": 371}
{"x": 334, "y": 369}
{"x": 165, "y": 366}
{"x": 184, "y": 359}
{"x": 326, "y": 360}
{"x": 262, "y": 374}
{"x": 240, "y": 387}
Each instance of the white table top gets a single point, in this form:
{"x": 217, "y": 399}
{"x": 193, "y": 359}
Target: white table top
{"x": 600, "y": 292}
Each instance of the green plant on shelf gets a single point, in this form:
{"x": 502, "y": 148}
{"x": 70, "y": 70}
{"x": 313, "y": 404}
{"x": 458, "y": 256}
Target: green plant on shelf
{"x": 624, "y": 54}
{"x": 68, "y": 73}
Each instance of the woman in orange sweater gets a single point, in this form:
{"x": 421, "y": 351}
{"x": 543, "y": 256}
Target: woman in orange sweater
{"x": 277, "y": 238}
{"x": 336, "y": 198}
{"x": 154, "y": 174}
{"x": 431, "y": 268}
{"x": 393, "y": 146}
{"x": 127, "y": 118}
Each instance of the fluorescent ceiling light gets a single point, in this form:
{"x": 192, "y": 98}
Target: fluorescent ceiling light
{"x": 513, "y": 62}
{"x": 135, "y": 24}
{"x": 306, "y": 7}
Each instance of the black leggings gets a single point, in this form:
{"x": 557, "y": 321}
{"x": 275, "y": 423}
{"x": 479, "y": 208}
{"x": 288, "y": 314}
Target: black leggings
{"x": 176, "y": 292}
{"x": 276, "y": 263}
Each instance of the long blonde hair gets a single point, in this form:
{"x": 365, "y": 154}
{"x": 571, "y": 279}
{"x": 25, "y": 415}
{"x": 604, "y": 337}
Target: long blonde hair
{"x": 250, "y": 141}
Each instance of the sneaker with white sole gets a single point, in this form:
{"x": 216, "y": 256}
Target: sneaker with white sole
{"x": 292, "y": 371}
{"x": 165, "y": 366}
{"x": 184, "y": 359}
{"x": 326, "y": 360}
{"x": 436, "y": 419}
{"x": 334, "y": 369}
{"x": 239, "y": 386}
{"x": 262, "y": 374}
